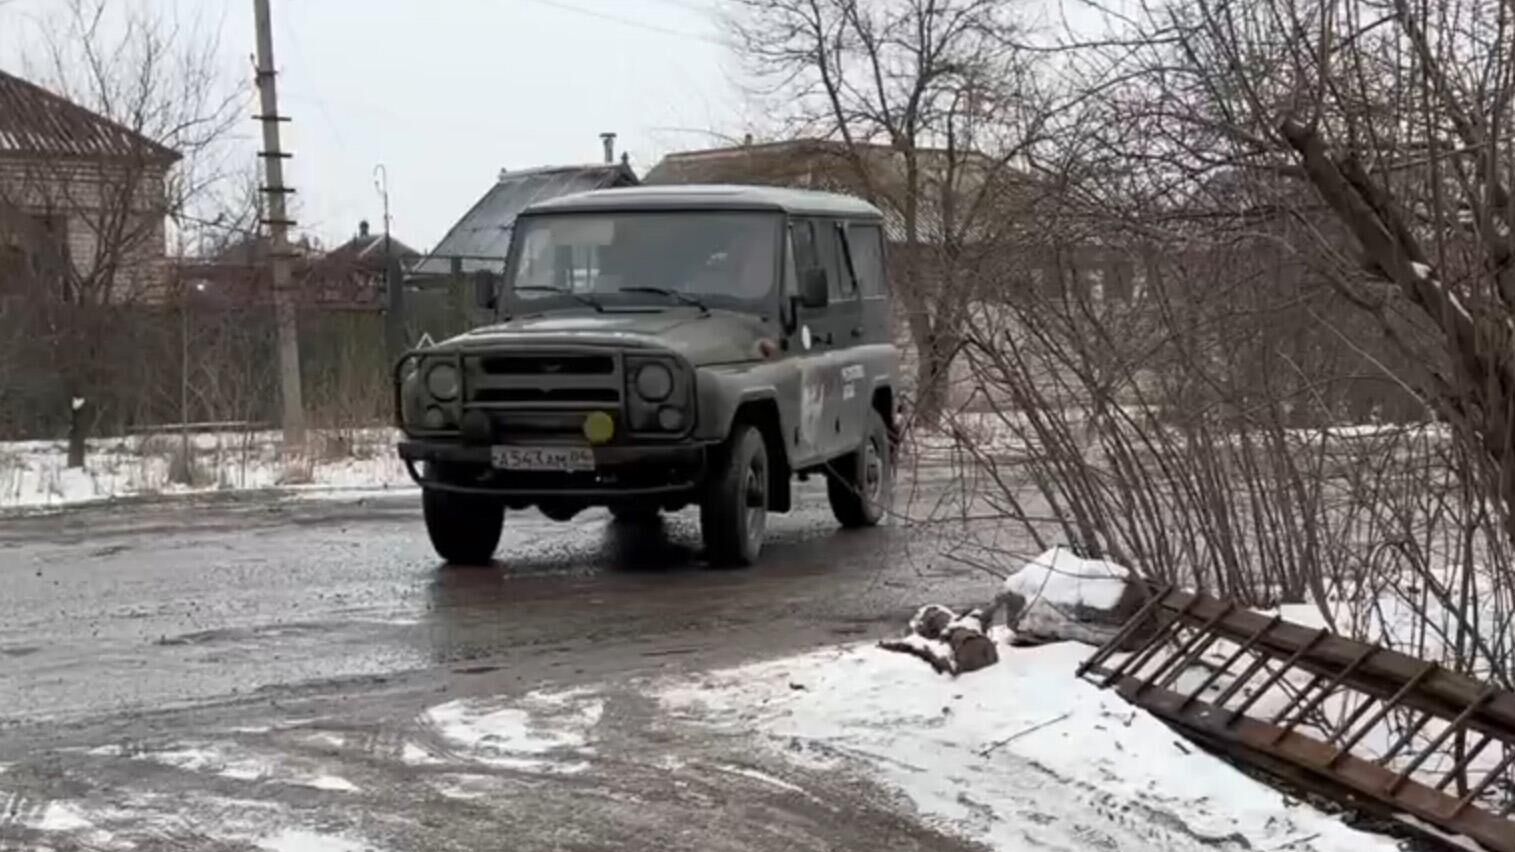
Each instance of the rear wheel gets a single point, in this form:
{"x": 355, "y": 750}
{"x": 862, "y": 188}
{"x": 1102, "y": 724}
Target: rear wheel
{"x": 859, "y": 484}
{"x": 464, "y": 528}
{"x": 734, "y": 512}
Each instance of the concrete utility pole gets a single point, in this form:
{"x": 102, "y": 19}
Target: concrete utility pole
{"x": 278, "y": 234}
{"x": 394, "y": 277}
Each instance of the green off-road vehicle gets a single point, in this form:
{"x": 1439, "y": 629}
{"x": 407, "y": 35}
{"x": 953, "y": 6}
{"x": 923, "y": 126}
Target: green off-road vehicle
{"x": 659, "y": 347}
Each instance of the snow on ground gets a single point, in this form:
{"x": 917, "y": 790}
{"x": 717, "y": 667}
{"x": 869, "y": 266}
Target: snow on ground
{"x": 1007, "y": 434}
{"x": 1097, "y": 773}
{"x": 300, "y": 840}
{"x": 541, "y": 734}
{"x": 35, "y": 474}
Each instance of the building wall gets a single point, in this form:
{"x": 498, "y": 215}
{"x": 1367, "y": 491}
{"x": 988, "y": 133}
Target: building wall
{"x": 112, "y": 212}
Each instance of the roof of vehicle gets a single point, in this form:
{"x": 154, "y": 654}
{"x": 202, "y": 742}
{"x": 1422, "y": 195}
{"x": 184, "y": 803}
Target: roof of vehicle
{"x": 711, "y": 197}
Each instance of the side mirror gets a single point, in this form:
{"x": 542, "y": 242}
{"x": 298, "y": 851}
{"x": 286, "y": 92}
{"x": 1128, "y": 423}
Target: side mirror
{"x": 485, "y": 290}
{"x": 814, "y": 289}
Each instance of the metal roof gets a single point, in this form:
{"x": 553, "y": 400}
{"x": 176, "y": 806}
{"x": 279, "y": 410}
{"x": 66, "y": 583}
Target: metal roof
{"x": 713, "y": 197}
{"x": 818, "y": 164}
{"x": 36, "y": 122}
{"x": 482, "y": 237}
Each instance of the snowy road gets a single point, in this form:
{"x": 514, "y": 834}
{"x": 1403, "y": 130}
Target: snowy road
{"x": 286, "y": 674}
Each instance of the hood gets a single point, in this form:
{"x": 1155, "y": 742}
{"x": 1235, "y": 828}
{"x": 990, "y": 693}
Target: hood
{"x": 717, "y": 337}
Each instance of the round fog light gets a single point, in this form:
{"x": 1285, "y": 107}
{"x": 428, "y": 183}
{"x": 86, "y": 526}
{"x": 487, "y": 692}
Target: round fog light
{"x": 670, "y": 419}
{"x": 599, "y": 427}
{"x": 434, "y": 418}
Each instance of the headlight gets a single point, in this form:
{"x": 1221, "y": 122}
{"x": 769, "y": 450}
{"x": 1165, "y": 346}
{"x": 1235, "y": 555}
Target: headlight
{"x": 654, "y": 383}
{"x": 442, "y": 382}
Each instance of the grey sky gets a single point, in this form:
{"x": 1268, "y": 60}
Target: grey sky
{"x": 446, "y": 92}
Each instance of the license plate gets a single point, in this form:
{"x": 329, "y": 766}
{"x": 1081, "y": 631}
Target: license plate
{"x": 542, "y": 458}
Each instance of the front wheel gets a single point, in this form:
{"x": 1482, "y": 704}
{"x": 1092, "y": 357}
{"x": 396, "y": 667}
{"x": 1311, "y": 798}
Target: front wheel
{"x": 464, "y": 528}
{"x": 860, "y": 483}
{"x": 734, "y": 511}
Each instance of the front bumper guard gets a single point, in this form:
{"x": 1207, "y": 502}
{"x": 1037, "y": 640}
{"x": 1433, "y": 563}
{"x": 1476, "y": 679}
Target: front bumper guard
{"x": 616, "y": 460}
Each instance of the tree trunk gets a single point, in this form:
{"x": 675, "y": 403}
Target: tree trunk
{"x": 933, "y": 375}
{"x": 76, "y": 430}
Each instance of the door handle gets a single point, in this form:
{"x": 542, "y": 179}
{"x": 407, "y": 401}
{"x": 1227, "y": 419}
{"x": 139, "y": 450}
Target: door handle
{"x": 857, "y": 331}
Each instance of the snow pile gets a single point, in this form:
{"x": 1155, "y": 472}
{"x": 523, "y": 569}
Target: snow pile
{"x": 35, "y": 474}
{"x": 1059, "y": 596}
{"x": 1020, "y": 756}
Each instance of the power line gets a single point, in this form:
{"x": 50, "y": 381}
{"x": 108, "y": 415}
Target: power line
{"x": 630, "y": 22}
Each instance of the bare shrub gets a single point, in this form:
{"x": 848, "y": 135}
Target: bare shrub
{"x": 1271, "y": 355}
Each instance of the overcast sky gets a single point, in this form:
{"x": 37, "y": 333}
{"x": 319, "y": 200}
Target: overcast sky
{"x": 447, "y": 92}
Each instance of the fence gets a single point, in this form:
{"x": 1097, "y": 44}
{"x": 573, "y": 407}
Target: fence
{"x": 142, "y": 365}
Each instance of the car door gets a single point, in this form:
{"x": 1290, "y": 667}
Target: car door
{"x": 850, "y": 420}
{"x": 820, "y": 337}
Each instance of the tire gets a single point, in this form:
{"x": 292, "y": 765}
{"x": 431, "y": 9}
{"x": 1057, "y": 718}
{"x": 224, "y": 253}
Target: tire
{"x": 860, "y": 483}
{"x": 734, "y": 510}
{"x": 464, "y": 528}
{"x": 634, "y": 515}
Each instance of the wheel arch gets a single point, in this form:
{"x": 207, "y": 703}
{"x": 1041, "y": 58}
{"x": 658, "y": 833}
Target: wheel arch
{"x": 884, "y": 403}
{"x": 762, "y": 412}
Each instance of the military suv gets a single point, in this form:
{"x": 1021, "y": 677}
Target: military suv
{"x": 658, "y": 347}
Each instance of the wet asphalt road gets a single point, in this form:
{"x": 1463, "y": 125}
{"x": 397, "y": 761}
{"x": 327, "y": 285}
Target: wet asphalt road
{"x": 264, "y": 624}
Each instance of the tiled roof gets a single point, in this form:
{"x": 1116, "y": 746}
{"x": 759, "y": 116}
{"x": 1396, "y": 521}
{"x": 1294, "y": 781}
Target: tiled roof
{"x": 367, "y": 250}
{"x": 826, "y": 165}
{"x": 35, "y": 121}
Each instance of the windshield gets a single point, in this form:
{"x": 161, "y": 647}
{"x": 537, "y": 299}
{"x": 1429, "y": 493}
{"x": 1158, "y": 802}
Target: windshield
{"x": 704, "y": 259}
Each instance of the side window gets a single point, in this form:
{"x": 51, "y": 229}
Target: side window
{"x": 867, "y": 246}
{"x": 844, "y": 281}
{"x": 806, "y": 253}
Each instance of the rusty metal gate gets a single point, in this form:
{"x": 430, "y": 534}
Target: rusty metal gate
{"x": 1352, "y": 719}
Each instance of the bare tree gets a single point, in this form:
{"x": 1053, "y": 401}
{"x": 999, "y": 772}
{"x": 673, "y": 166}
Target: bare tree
{"x": 94, "y": 216}
{"x": 931, "y": 107}
{"x": 1314, "y": 196}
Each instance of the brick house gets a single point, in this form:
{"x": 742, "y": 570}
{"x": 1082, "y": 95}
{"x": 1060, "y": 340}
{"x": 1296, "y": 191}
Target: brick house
{"x": 983, "y": 218}
{"x": 990, "y": 203}
{"x": 83, "y": 199}
{"x": 350, "y": 277}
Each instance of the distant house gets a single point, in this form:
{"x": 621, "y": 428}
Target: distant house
{"x": 874, "y": 172}
{"x": 482, "y": 237}
{"x": 352, "y": 274}
{"x": 348, "y": 277}
{"x": 82, "y": 198}
{"x": 966, "y": 201}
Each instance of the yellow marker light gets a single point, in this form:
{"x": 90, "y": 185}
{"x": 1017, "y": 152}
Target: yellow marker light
{"x": 599, "y": 427}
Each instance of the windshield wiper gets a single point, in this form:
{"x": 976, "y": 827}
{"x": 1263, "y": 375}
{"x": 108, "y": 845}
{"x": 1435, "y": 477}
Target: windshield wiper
{"x": 684, "y": 298}
{"x": 563, "y": 291}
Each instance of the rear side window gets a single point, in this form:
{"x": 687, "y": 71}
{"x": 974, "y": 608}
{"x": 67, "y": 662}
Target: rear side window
{"x": 867, "y": 245}
{"x": 806, "y": 253}
{"x": 844, "y": 281}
